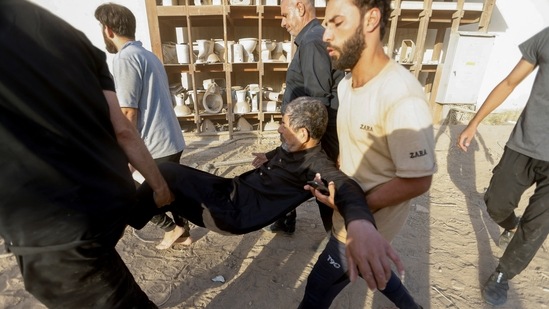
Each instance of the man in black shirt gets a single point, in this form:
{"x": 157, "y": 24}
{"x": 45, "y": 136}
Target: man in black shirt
{"x": 64, "y": 153}
{"x": 310, "y": 74}
{"x": 256, "y": 198}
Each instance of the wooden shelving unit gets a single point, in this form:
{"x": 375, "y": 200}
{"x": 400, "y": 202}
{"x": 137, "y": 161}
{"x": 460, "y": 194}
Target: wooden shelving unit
{"x": 227, "y": 23}
{"x": 422, "y": 25}
{"x": 427, "y": 23}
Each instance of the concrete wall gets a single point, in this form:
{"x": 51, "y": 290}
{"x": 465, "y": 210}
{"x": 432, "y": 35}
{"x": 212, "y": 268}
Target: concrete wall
{"x": 512, "y": 21}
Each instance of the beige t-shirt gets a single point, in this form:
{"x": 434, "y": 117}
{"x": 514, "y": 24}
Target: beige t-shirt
{"x": 385, "y": 130}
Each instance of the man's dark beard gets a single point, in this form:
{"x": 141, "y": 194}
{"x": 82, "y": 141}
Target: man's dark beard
{"x": 109, "y": 46}
{"x": 350, "y": 52}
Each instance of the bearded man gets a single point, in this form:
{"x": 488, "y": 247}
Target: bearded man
{"x": 385, "y": 137}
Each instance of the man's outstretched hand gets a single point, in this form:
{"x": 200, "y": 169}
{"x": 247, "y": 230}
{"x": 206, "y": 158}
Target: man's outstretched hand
{"x": 369, "y": 254}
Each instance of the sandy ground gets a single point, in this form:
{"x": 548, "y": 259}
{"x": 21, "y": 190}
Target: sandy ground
{"x": 448, "y": 244}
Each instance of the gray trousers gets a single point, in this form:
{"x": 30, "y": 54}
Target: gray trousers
{"x": 511, "y": 177}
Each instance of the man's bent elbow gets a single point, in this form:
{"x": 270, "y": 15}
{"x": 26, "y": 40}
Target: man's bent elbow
{"x": 125, "y": 136}
{"x": 424, "y": 184}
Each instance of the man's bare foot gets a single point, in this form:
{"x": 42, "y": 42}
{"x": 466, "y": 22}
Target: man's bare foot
{"x": 170, "y": 237}
{"x": 185, "y": 241}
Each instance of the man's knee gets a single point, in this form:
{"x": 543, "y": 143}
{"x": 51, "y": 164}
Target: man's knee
{"x": 496, "y": 207}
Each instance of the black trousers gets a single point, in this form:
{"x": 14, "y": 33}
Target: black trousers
{"x": 208, "y": 201}
{"x": 81, "y": 274}
{"x": 330, "y": 275}
{"x": 193, "y": 189}
{"x": 162, "y": 220}
{"x": 511, "y": 177}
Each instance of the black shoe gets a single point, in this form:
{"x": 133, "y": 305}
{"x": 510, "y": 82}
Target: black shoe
{"x": 283, "y": 226}
{"x": 495, "y": 289}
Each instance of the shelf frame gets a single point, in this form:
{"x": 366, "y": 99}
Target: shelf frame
{"x": 421, "y": 16}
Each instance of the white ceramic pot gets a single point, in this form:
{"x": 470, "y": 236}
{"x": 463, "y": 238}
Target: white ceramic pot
{"x": 255, "y": 100}
{"x": 183, "y": 55}
{"x": 271, "y": 95}
{"x": 249, "y": 45}
{"x": 212, "y": 102}
{"x": 287, "y": 47}
{"x": 241, "y": 95}
{"x": 219, "y": 49}
{"x": 205, "y": 48}
{"x": 269, "y": 106}
{"x": 238, "y": 53}
{"x": 278, "y": 53}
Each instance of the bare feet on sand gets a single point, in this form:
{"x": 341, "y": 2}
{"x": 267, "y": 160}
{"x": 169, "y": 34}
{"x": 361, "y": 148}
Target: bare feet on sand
{"x": 174, "y": 236}
{"x": 184, "y": 240}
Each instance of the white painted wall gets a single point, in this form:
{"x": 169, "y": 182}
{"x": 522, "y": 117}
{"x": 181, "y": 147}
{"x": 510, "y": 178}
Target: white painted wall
{"x": 512, "y": 21}
{"x": 79, "y": 13}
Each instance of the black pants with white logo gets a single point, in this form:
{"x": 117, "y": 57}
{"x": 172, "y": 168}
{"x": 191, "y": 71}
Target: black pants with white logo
{"x": 329, "y": 277}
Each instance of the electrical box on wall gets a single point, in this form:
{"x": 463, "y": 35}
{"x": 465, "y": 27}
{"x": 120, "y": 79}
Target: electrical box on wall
{"x": 466, "y": 60}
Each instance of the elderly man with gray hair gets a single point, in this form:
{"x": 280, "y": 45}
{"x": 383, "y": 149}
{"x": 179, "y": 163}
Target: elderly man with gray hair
{"x": 277, "y": 185}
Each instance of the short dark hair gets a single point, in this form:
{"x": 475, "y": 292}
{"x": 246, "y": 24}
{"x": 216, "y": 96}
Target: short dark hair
{"x": 384, "y": 7}
{"x": 308, "y": 113}
{"x": 117, "y": 17}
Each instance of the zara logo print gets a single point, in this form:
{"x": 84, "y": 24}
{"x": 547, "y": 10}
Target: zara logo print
{"x": 366, "y": 127}
{"x": 418, "y": 154}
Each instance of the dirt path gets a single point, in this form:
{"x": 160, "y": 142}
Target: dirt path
{"x": 447, "y": 245}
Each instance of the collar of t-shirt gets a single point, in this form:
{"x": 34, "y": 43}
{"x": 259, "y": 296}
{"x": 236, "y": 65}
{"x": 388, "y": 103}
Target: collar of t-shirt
{"x": 136, "y": 43}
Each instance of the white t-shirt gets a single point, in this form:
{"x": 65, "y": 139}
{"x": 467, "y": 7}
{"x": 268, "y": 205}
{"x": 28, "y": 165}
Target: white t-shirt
{"x": 385, "y": 131}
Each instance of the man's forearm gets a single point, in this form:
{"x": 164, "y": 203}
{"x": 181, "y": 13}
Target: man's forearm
{"x": 133, "y": 146}
{"x": 396, "y": 191}
{"x": 350, "y": 202}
